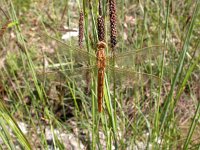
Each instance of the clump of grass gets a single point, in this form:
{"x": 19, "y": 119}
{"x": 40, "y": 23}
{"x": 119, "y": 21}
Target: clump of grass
{"x": 144, "y": 114}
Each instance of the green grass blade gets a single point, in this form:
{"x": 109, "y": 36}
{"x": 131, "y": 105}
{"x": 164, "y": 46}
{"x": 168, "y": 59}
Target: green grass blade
{"x": 169, "y": 99}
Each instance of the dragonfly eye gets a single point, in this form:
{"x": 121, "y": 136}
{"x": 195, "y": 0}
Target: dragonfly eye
{"x": 101, "y": 44}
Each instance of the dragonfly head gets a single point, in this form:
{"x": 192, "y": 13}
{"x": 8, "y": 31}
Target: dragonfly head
{"x": 101, "y": 44}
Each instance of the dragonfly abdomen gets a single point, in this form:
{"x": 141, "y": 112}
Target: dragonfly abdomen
{"x": 101, "y": 64}
{"x": 100, "y": 91}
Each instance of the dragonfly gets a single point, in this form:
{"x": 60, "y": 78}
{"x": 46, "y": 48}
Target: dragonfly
{"x": 102, "y": 62}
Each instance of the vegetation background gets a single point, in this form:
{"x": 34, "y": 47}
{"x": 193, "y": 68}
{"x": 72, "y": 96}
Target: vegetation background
{"x": 47, "y": 100}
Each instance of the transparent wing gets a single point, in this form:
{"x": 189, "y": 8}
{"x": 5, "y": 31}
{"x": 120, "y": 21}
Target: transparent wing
{"x": 62, "y": 73}
{"x": 137, "y": 65}
{"x": 82, "y": 77}
{"x": 78, "y": 78}
{"x": 128, "y": 57}
{"x": 134, "y": 57}
{"x": 123, "y": 75}
{"x": 73, "y": 60}
{"x": 65, "y": 52}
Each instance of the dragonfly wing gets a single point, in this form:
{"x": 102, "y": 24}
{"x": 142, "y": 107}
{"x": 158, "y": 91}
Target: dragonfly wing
{"x": 139, "y": 65}
{"x": 63, "y": 77}
{"x": 67, "y": 64}
{"x": 140, "y": 56}
{"x": 60, "y": 71}
{"x": 65, "y": 52}
{"x": 133, "y": 76}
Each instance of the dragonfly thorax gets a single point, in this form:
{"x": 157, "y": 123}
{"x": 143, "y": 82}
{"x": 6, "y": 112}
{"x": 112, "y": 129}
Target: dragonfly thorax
{"x": 101, "y": 56}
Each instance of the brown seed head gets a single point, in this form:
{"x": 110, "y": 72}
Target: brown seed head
{"x": 81, "y": 30}
{"x": 100, "y": 8}
{"x": 113, "y": 29}
{"x": 101, "y": 28}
